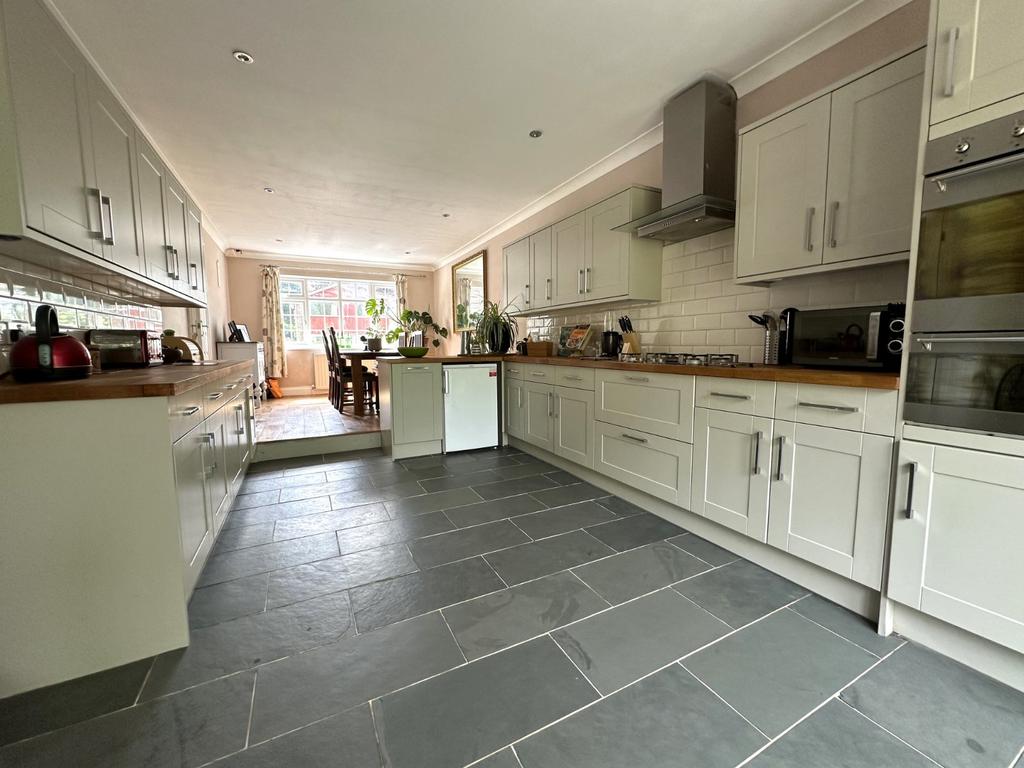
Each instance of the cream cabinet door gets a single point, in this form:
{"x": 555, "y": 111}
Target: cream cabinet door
{"x": 606, "y": 262}
{"x": 568, "y": 241}
{"x": 215, "y": 460}
{"x": 574, "y": 425}
{"x": 979, "y": 59}
{"x": 176, "y": 228}
{"x": 515, "y": 405}
{"x": 780, "y": 207}
{"x": 957, "y": 526}
{"x": 195, "y": 526}
{"x": 517, "y": 274}
{"x": 731, "y": 465}
{"x": 872, "y": 162}
{"x": 652, "y": 464}
{"x": 196, "y": 272}
{"x": 540, "y": 269}
{"x": 418, "y": 407}
{"x": 658, "y": 403}
{"x": 539, "y": 415}
{"x": 150, "y": 191}
{"x": 829, "y": 498}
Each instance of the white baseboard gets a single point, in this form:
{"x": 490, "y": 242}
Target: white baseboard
{"x": 301, "y": 391}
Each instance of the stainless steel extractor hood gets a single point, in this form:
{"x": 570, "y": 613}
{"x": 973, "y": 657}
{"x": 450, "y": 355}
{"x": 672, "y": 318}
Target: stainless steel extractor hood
{"x": 698, "y": 166}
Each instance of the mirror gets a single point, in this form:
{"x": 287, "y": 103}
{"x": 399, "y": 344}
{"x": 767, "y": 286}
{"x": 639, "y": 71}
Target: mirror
{"x": 469, "y": 281}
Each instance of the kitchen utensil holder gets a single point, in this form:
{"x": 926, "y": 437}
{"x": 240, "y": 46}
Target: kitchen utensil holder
{"x": 631, "y": 343}
{"x": 771, "y": 347}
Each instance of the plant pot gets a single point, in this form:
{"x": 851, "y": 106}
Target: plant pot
{"x": 499, "y": 339}
{"x": 374, "y": 344}
{"x": 412, "y": 351}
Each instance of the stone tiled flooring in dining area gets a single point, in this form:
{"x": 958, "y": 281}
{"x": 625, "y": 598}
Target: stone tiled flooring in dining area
{"x": 490, "y": 609}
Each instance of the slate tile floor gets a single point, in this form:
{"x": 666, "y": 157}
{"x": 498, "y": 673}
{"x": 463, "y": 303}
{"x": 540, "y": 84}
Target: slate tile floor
{"x": 488, "y": 609}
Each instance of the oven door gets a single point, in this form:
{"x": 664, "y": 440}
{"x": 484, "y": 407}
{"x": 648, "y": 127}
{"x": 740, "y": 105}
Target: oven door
{"x": 971, "y": 381}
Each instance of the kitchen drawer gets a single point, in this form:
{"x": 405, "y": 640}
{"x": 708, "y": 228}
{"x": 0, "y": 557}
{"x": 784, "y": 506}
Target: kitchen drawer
{"x": 657, "y": 403}
{"x": 577, "y": 378}
{"x": 750, "y": 398}
{"x": 185, "y": 411}
{"x": 652, "y": 464}
{"x": 540, "y": 374}
{"x": 217, "y": 394}
{"x": 514, "y": 371}
{"x": 862, "y": 410}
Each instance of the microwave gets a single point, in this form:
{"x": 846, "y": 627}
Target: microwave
{"x": 854, "y": 337}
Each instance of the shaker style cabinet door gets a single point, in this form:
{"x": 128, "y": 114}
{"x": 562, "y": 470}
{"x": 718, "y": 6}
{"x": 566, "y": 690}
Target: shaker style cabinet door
{"x": 517, "y": 275}
{"x": 872, "y": 162}
{"x": 49, "y": 84}
{"x": 515, "y": 404}
{"x": 568, "y": 243}
{"x": 539, "y": 412}
{"x": 541, "y": 284}
{"x": 196, "y": 527}
{"x": 215, "y": 458}
{"x": 956, "y": 533}
{"x": 418, "y": 415}
{"x": 151, "y": 184}
{"x": 781, "y": 197}
{"x": 196, "y": 276}
{"x": 176, "y": 227}
{"x": 574, "y": 425}
{"x": 606, "y": 268}
{"x": 829, "y": 498}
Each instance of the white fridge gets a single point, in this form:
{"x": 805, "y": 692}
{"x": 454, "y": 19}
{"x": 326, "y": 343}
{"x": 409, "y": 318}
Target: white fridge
{"x": 470, "y": 406}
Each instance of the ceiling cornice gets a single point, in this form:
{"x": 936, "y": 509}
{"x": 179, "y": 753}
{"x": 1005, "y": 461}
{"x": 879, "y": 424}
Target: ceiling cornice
{"x": 313, "y": 262}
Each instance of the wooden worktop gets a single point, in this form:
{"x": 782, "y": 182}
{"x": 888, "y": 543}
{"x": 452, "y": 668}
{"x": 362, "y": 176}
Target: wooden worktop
{"x": 158, "y": 381}
{"x": 445, "y": 359}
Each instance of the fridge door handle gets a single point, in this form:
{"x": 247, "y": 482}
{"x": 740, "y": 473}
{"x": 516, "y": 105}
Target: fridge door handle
{"x": 446, "y": 382}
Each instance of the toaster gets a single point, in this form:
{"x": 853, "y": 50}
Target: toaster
{"x": 127, "y": 349}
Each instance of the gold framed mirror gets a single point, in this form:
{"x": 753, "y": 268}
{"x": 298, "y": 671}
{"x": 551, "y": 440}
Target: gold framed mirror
{"x": 469, "y": 290}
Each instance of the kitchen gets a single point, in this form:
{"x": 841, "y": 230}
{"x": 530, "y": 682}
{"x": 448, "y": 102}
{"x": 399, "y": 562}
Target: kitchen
{"x": 708, "y": 526}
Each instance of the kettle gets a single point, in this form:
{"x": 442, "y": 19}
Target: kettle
{"x": 48, "y": 354}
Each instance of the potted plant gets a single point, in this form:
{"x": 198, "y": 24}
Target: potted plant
{"x": 376, "y": 311}
{"x": 406, "y": 322}
{"x": 496, "y": 328}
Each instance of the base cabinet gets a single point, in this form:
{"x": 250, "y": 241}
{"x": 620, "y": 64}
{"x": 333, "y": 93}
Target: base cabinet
{"x": 196, "y": 525}
{"x": 418, "y": 406}
{"x": 957, "y": 527}
{"x": 574, "y": 425}
{"x": 539, "y": 415}
{"x": 515, "y": 413}
{"x": 656, "y": 465}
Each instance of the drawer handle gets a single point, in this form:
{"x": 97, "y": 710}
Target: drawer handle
{"x": 190, "y": 411}
{"x": 808, "y": 243}
{"x": 909, "y": 512}
{"x": 950, "y": 84}
{"x": 757, "y": 452}
{"x": 729, "y": 395}
{"x": 779, "y": 476}
{"x": 243, "y": 379}
{"x": 574, "y": 378}
{"x": 215, "y": 396}
{"x": 634, "y": 438}
{"x": 827, "y": 407}
{"x": 416, "y": 368}
{"x": 538, "y": 373}
{"x": 637, "y": 378}
{"x": 231, "y": 386}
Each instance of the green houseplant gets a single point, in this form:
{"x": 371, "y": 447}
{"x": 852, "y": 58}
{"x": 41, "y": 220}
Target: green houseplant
{"x": 376, "y": 311}
{"x": 405, "y": 322}
{"x": 496, "y": 328}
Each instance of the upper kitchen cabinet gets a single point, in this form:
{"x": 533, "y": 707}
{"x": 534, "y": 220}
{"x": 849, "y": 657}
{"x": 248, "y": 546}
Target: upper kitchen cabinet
{"x": 540, "y": 269}
{"x": 568, "y": 249}
{"x": 830, "y": 184}
{"x": 176, "y": 227}
{"x": 194, "y": 249}
{"x": 517, "y": 274}
{"x": 979, "y": 61}
{"x": 151, "y": 180}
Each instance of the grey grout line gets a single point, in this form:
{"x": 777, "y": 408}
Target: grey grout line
{"x": 516, "y": 755}
{"x": 696, "y": 677}
{"x": 495, "y": 571}
{"x": 376, "y": 732}
{"x": 452, "y": 633}
{"x": 1017, "y": 760}
{"x": 705, "y": 610}
{"x": 252, "y": 706}
{"x": 518, "y": 528}
{"x": 841, "y": 637}
{"x": 574, "y": 664}
{"x": 581, "y": 581}
{"x": 882, "y": 727}
{"x": 145, "y": 680}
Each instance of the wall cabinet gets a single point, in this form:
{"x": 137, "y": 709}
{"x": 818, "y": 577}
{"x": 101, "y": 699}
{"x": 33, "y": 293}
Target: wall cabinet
{"x": 568, "y": 254}
{"x": 517, "y": 274}
{"x": 956, "y": 533}
{"x": 541, "y": 285}
{"x": 978, "y": 57}
{"x": 832, "y": 181}
{"x": 151, "y": 182}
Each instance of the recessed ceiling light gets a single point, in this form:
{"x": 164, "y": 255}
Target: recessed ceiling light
{"x": 242, "y": 56}
{"x": 269, "y": 190}
{"x": 278, "y": 240}
{"x": 536, "y": 133}
{"x": 408, "y": 252}
{"x": 445, "y": 215}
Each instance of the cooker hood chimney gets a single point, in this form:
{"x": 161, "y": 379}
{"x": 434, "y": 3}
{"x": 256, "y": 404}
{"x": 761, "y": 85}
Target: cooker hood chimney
{"x": 698, "y": 166}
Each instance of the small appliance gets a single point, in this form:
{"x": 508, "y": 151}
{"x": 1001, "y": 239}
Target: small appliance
{"x": 611, "y": 344}
{"x": 191, "y": 352}
{"x": 127, "y": 349}
{"x": 48, "y": 354}
{"x": 854, "y": 337}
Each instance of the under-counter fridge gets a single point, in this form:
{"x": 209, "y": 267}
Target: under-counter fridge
{"x": 470, "y": 406}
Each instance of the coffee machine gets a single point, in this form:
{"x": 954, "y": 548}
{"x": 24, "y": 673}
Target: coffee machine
{"x": 611, "y": 344}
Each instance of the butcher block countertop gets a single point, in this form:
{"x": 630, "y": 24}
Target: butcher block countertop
{"x": 794, "y": 374}
{"x": 158, "y": 381}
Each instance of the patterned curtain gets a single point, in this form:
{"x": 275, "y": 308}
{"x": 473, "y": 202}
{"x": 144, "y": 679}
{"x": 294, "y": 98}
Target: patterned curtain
{"x": 273, "y": 322}
{"x": 400, "y": 281}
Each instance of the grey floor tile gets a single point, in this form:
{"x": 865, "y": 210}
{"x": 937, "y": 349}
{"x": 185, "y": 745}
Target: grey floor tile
{"x": 301, "y": 689}
{"x": 465, "y": 542}
{"x": 227, "y": 600}
{"x": 272, "y": 512}
{"x": 776, "y": 671}
{"x": 179, "y": 731}
{"x": 370, "y": 495}
{"x": 257, "y": 483}
{"x": 489, "y": 511}
{"x": 568, "y": 494}
{"x": 280, "y": 466}
{"x": 504, "y": 759}
{"x": 539, "y": 558}
{"x": 555, "y": 520}
{"x": 299, "y": 492}
{"x": 326, "y": 522}
{"x": 243, "y": 536}
{"x": 391, "y": 476}
{"x": 259, "y": 499}
{"x": 431, "y": 502}
{"x": 837, "y": 737}
{"x": 428, "y": 472}
{"x": 560, "y": 476}
{"x": 268, "y": 557}
{"x": 56, "y": 706}
{"x": 471, "y": 711}
{"x": 704, "y": 549}
{"x": 423, "y": 462}
{"x": 850, "y": 625}
{"x": 459, "y": 480}
{"x": 620, "y": 646}
{"x": 668, "y": 720}
{"x": 639, "y": 571}
{"x": 490, "y": 623}
{"x": 346, "y": 740}
{"x": 634, "y": 531}
{"x": 620, "y": 507}
{"x": 385, "y": 602}
{"x": 740, "y": 592}
{"x": 953, "y": 714}
{"x": 302, "y": 582}
{"x": 491, "y": 491}
{"x": 515, "y": 471}
{"x": 249, "y": 641}
{"x": 485, "y": 460}
{"x": 392, "y": 532}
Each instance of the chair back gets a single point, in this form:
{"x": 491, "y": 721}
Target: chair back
{"x": 339, "y": 366}
{"x": 327, "y": 351}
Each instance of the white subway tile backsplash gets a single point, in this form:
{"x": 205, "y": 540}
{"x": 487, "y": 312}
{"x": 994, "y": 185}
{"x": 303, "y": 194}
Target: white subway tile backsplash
{"x": 694, "y": 276}
{"x": 704, "y": 322}
{"x": 707, "y": 290}
{"x": 710, "y": 258}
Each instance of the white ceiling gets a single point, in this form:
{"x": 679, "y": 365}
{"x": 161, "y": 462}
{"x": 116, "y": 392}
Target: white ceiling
{"x": 371, "y": 118}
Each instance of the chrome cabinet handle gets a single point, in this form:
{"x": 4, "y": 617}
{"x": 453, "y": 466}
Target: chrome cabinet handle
{"x": 808, "y": 245}
{"x": 909, "y": 512}
{"x": 416, "y": 368}
{"x": 445, "y": 383}
{"x": 637, "y": 378}
{"x": 927, "y": 341}
{"x": 634, "y": 438}
{"x": 730, "y": 395}
{"x": 832, "y": 242}
{"x": 579, "y": 282}
{"x": 538, "y": 373}
{"x": 757, "y": 452}
{"x": 951, "y": 43}
{"x": 586, "y": 280}
{"x": 779, "y": 476}
{"x": 108, "y": 237}
{"x": 239, "y": 428}
{"x": 190, "y": 411}
{"x": 551, "y": 407}
{"x": 548, "y": 290}
{"x": 168, "y": 252}
{"x": 231, "y": 386}
{"x": 519, "y": 397}
{"x": 193, "y": 273}
{"x": 574, "y": 378}
{"x": 177, "y": 265}
{"x": 244, "y": 378}
{"x": 102, "y": 234}
{"x": 827, "y": 407}
{"x": 215, "y": 396}
{"x": 526, "y": 290}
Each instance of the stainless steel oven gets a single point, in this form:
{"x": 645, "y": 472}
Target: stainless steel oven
{"x": 966, "y": 362}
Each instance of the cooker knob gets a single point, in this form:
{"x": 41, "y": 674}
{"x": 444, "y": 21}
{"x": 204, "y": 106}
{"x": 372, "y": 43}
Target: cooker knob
{"x": 895, "y": 346}
{"x": 962, "y": 146}
{"x": 896, "y": 325}
{"x": 1018, "y": 130}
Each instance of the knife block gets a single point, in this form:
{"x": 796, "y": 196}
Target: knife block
{"x": 631, "y": 343}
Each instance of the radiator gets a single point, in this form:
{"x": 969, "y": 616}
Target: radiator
{"x": 320, "y": 373}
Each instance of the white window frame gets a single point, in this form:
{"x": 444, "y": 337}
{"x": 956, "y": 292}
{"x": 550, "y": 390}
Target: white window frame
{"x": 313, "y": 340}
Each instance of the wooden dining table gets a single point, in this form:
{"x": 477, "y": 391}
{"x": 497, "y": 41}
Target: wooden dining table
{"x": 355, "y": 358}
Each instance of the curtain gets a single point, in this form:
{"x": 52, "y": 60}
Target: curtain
{"x": 273, "y": 322}
{"x": 400, "y": 281}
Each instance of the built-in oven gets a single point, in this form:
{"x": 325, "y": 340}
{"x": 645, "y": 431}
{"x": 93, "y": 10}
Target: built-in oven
{"x": 966, "y": 361}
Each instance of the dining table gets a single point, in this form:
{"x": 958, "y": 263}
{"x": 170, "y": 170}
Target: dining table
{"x": 354, "y": 359}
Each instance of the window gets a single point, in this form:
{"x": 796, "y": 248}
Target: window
{"x": 313, "y": 304}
